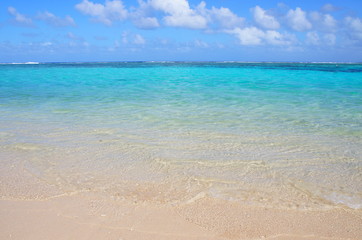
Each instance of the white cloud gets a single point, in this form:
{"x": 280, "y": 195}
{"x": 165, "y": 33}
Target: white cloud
{"x": 225, "y": 17}
{"x": 141, "y": 16}
{"x": 312, "y": 38}
{"x": 329, "y": 21}
{"x": 200, "y": 44}
{"x": 56, "y": 21}
{"x": 263, "y": 19}
{"x": 107, "y": 13}
{"x": 179, "y": 14}
{"x": 255, "y": 36}
{"x": 46, "y": 44}
{"x": 86, "y": 44}
{"x": 276, "y": 38}
{"x": 248, "y": 36}
{"x": 324, "y": 22}
{"x": 329, "y": 8}
{"x": 20, "y": 18}
{"x": 188, "y": 21}
{"x": 172, "y": 7}
{"x": 125, "y": 37}
{"x": 130, "y": 38}
{"x": 297, "y": 20}
{"x": 72, "y": 36}
{"x": 354, "y": 26}
{"x": 146, "y": 22}
{"x": 139, "y": 40}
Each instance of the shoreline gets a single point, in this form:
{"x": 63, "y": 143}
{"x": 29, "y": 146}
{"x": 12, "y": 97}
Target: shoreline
{"x": 31, "y": 208}
{"x": 35, "y": 209}
{"x": 97, "y": 216}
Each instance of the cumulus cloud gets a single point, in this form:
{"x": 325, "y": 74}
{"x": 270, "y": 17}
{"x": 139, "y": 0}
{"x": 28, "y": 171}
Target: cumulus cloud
{"x": 107, "y": 13}
{"x": 312, "y": 38}
{"x": 146, "y": 22}
{"x": 263, "y": 19}
{"x": 325, "y": 22}
{"x": 330, "y": 39}
{"x": 297, "y": 20}
{"x": 55, "y": 21}
{"x": 179, "y": 14}
{"x": 248, "y": 36}
{"x": 138, "y": 40}
{"x": 223, "y": 17}
{"x": 142, "y": 17}
{"x": 256, "y": 36}
{"x": 131, "y": 38}
{"x": 226, "y": 17}
{"x": 20, "y": 18}
{"x": 329, "y": 21}
{"x": 354, "y": 26}
{"x": 276, "y": 38}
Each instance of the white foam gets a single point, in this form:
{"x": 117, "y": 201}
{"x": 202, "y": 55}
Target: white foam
{"x": 354, "y": 202}
{"x": 17, "y": 63}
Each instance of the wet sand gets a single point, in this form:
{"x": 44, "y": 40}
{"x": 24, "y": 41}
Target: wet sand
{"x": 27, "y": 212}
{"x": 91, "y": 216}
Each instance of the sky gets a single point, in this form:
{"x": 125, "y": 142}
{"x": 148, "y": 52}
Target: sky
{"x": 180, "y": 30}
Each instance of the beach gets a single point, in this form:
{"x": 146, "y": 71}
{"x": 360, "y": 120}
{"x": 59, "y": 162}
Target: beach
{"x": 180, "y": 150}
{"x": 86, "y": 216}
{"x": 98, "y": 216}
{"x": 139, "y": 214}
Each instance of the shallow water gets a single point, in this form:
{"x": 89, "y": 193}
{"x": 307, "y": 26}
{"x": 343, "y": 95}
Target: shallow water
{"x": 273, "y": 134}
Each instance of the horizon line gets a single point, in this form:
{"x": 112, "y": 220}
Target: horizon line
{"x": 175, "y": 61}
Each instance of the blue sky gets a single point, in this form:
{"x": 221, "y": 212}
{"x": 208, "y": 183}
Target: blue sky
{"x": 180, "y": 30}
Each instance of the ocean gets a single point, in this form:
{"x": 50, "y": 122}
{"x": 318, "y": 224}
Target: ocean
{"x": 282, "y": 135}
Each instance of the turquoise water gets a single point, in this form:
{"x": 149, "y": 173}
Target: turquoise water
{"x": 284, "y": 134}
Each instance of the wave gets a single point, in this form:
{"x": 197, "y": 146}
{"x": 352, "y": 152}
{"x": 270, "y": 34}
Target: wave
{"x": 16, "y": 63}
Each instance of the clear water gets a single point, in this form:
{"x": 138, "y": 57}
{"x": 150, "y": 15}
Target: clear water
{"x": 272, "y": 134}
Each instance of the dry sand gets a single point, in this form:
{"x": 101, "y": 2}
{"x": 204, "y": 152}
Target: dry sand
{"x": 92, "y": 216}
{"x": 33, "y": 209}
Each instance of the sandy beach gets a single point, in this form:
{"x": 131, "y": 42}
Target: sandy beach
{"x": 33, "y": 209}
{"x": 88, "y": 216}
